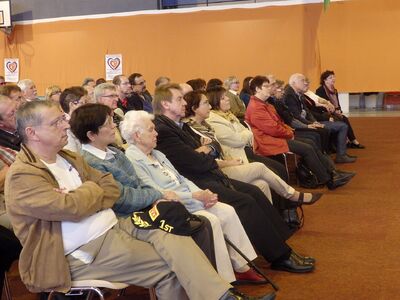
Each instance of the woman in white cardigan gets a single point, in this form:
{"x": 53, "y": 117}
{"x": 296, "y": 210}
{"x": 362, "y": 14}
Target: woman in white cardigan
{"x": 227, "y": 132}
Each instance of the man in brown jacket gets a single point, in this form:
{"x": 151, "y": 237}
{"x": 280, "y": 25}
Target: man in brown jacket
{"x": 60, "y": 211}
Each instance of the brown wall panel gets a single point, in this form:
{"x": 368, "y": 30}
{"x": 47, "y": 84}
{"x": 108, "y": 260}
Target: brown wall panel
{"x": 355, "y": 38}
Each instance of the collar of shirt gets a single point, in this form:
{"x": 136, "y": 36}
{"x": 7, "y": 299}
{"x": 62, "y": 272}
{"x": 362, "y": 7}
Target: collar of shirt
{"x": 180, "y": 124}
{"x": 234, "y": 92}
{"x": 104, "y": 155}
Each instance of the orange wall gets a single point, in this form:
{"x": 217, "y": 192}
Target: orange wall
{"x": 358, "y": 39}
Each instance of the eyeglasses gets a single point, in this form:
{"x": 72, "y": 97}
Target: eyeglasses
{"x": 141, "y": 83}
{"x": 110, "y": 96}
{"x": 77, "y": 102}
{"x": 55, "y": 93}
{"x": 58, "y": 122}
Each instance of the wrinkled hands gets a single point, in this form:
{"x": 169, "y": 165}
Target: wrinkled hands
{"x": 229, "y": 162}
{"x": 203, "y": 149}
{"x": 208, "y": 198}
{"x": 170, "y": 196}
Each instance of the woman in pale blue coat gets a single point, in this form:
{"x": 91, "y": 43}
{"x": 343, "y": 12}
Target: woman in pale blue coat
{"x": 154, "y": 169}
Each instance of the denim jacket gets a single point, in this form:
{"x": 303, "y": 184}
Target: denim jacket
{"x": 152, "y": 174}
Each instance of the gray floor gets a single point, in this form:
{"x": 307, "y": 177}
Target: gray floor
{"x": 368, "y": 112}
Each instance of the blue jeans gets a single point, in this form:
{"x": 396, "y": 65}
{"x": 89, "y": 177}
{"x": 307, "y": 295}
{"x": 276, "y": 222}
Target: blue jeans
{"x": 340, "y": 128}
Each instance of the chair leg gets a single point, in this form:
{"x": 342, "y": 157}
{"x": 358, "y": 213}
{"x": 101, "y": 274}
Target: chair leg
{"x": 153, "y": 295}
{"x": 121, "y": 292}
{"x": 7, "y": 290}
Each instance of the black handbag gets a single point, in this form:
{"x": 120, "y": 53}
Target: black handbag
{"x": 292, "y": 217}
{"x": 306, "y": 177}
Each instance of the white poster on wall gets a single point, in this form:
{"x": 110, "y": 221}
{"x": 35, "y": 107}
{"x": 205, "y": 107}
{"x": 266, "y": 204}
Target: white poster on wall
{"x": 113, "y": 65}
{"x": 11, "y": 69}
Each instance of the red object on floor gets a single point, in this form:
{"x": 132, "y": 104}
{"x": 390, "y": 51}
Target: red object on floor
{"x": 249, "y": 276}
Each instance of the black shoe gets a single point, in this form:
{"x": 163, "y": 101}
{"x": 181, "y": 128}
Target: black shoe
{"x": 314, "y": 198}
{"x": 338, "y": 180}
{"x": 350, "y": 174}
{"x": 344, "y": 159}
{"x": 301, "y": 258}
{"x": 338, "y": 174}
{"x": 234, "y": 294}
{"x": 355, "y": 146}
{"x": 292, "y": 265}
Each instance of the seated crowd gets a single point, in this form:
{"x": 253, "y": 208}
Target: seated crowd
{"x": 87, "y": 173}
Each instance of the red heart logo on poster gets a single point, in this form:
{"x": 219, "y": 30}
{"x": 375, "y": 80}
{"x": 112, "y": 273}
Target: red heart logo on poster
{"x": 113, "y": 62}
{"x": 11, "y": 66}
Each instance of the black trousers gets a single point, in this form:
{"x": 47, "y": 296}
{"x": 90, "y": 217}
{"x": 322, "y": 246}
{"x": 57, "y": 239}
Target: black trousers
{"x": 264, "y": 226}
{"x": 320, "y": 136}
{"x": 324, "y": 158}
{"x": 9, "y": 251}
{"x": 311, "y": 159}
{"x": 205, "y": 240}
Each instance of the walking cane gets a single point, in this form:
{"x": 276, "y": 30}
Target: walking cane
{"x": 276, "y": 288}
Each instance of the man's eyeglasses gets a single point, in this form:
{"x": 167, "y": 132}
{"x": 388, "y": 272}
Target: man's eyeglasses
{"x": 59, "y": 121}
{"x": 110, "y": 96}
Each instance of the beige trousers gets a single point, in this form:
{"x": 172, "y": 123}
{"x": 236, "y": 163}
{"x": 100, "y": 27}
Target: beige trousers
{"x": 225, "y": 221}
{"x": 259, "y": 175}
{"x": 173, "y": 264}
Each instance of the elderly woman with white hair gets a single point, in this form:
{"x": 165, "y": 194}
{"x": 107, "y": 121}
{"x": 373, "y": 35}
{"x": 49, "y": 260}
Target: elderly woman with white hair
{"x": 238, "y": 108}
{"x": 154, "y": 169}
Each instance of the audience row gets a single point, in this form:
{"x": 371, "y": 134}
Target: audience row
{"x": 207, "y": 147}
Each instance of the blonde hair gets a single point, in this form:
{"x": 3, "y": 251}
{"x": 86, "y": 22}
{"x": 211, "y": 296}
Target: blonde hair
{"x": 228, "y": 82}
{"x": 52, "y": 90}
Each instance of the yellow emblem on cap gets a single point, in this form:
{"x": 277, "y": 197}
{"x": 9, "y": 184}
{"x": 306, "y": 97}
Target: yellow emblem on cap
{"x": 154, "y": 213}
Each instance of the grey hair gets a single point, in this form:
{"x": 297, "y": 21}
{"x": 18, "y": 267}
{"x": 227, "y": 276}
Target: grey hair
{"x": 293, "y": 78}
{"x": 132, "y": 123}
{"x": 87, "y": 80}
{"x": 25, "y": 83}
{"x": 162, "y": 80}
{"x": 99, "y": 90}
{"x": 29, "y": 115}
{"x": 228, "y": 81}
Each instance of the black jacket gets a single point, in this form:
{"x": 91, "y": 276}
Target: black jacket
{"x": 295, "y": 104}
{"x": 320, "y": 113}
{"x": 10, "y": 140}
{"x": 135, "y": 102}
{"x": 322, "y": 93}
{"x": 179, "y": 146}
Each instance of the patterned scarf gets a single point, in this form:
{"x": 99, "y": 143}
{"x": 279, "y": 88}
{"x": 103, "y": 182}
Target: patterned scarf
{"x": 227, "y": 116}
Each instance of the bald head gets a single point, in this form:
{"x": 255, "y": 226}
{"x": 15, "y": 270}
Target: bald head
{"x": 297, "y": 82}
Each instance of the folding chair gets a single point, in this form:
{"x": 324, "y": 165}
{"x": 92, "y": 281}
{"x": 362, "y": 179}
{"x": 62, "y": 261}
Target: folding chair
{"x": 93, "y": 287}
